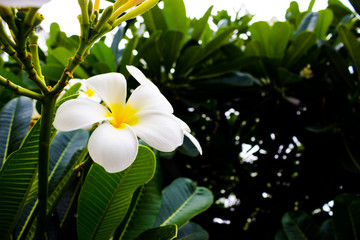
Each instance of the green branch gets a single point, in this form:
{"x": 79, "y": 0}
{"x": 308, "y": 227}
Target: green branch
{"x": 20, "y": 90}
{"x": 47, "y": 114}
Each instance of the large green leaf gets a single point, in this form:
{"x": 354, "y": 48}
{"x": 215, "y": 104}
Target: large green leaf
{"x": 181, "y": 201}
{"x": 352, "y": 45}
{"x": 16, "y": 177}
{"x": 159, "y": 233}
{"x": 143, "y": 211}
{"x": 63, "y": 147}
{"x": 324, "y": 21}
{"x": 280, "y": 35}
{"x": 260, "y": 31}
{"x": 155, "y": 20}
{"x": 170, "y": 43}
{"x": 175, "y": 15}
{"x": 61, "y": 56}
{"x": 347, "y": 216}
{"x": 102, "y": 58}
{"x": 298, "y": 225}
{"x": 127, "y": 57}
{"x": 308, "y": 23}
{"x": 299, "y": 47}
{"x": 225, "y": 67}
{"x": 187, "y": 60}
{"x": 105, "y": 197}
{"x": 14, "y": 124}
{"x": 201, "y": 25}
{"x": 29, "y": 226}
{"x": 192, "y": 231}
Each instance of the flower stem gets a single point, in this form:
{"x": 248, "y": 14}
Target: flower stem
{"x": 47, "y": 114}
{"x": 20, "y": 90}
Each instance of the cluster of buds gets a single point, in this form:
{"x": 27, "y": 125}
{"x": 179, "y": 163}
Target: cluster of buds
{"x": 21, "y": 21}
{"x": 95, "y": 25}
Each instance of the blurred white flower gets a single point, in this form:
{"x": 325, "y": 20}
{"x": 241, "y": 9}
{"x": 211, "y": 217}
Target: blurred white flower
{"x": 23, "y": 3}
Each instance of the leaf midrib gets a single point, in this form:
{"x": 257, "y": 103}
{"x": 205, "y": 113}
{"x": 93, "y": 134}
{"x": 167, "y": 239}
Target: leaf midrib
{"x": 179, "y": 208}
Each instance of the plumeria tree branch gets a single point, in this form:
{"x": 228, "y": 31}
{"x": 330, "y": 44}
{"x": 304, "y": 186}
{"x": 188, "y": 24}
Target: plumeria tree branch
{"x": 20, "y": 90}
{"x": 93, "y": 26}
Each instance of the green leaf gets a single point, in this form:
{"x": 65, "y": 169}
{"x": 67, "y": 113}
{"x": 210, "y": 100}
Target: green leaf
{"x": 102, "y": 54}
{"x": 16, "y": 178}
{"x": 159, "y": 233}
{"x": 71, "y": 93}
{"x": 188, "y": 148}
{"x": 65, "y": 154}
{"x": 105, "y": 197}
{"x": 116, "y": 41}
{"x": 324, "y": 21}
{"x": 187, "y": 60}
{"x": 14, "y": 124}
{"x": 155, "y": 20}
{"x": 280, "y": 35}
{"x": 308, "y": 23}
{"x": 144, "y": 209}
{"x": 218, "y": 41}
{"x": 192, "y": 231}
{"x": 127, "y": 57}
{"x": 52, "y": 71}
{"x": 62, "y": 149}
{"x": 299, "y": 47}
{"x": 225, "y": 67}
{"x": 201, "y": 25}
{"x": 181, "y": 201}
{"x": 13, "y": 78}
{"x": 347, "y": 216}
{"x": 292, "y": 13}
{"x": 175, "y": 15}
{"x": 298, "y": 225}
{"x": 170, "y": 43}
{"x": 340, "y": 66}
{"x": 260, "y": 31}
{"x": 61, "y": 56}
{"x": 352, "y": 45}
{"x": 57, "y": 38}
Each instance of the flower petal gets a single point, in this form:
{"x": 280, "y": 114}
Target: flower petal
{"x": 23, "y": 3}
{"x": 194, "y": 141}
{"x": 159, "y": 129}
{"x": 111, "y": 87}
{"x": 186, "y": 130}
{"x": 183, "y": 125}
{"x": 79, "y": 113}
{"x": 145, "y": 98}
{"x": 114, "y": 149}
{"x": 139, "y": 76}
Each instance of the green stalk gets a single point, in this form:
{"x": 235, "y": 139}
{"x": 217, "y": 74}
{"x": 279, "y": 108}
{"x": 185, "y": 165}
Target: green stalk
{"x": 47, "y": 114}
{"x": 69, "y": 70}
{"x": 19, "y": 90}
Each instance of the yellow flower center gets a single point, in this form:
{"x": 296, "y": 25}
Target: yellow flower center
{"x": 122, "y": 116}
{"x": 89, "y": 92}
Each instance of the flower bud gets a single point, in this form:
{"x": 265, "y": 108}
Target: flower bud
{"x": 142, "y": 8}
{"x": 104, "y": 18}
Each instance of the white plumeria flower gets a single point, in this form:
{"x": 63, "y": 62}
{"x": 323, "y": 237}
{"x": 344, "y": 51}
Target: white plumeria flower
{"x": 23, "y": 3}
{"x": 147, "y": 114}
